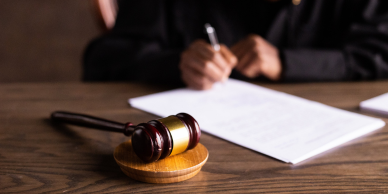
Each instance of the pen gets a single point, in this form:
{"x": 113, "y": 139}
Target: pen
{"x": 211, "y": 32}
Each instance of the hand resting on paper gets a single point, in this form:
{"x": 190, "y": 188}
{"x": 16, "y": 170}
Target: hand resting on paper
{"x": 201, "y": 66}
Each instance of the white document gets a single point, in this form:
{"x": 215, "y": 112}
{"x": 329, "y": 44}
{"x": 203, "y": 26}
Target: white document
{"x": 377, "y": 104}
{"x": 277, "y": 124}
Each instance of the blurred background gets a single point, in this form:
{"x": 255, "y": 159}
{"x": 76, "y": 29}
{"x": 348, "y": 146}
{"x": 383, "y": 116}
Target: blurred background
{"x": 44, "y": 40}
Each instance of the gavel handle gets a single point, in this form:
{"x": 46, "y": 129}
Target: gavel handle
{"x": 92, "y": 122}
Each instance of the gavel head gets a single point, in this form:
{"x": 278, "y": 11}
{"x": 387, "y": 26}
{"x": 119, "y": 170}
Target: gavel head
{"x": 165, "y": 137}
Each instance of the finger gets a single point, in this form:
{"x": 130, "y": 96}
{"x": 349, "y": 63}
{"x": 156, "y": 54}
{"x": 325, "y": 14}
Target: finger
{"x": 250, "y": 50}
{"x": 203, "y": 48}
{"x": 204, "y": 67}
{"x": 244, "y": 46}
{"x": 225, "y": 60}
{"x": 238, "y": 49}
{"x": 228, "y": 55}
{"x": 250, "y": 65}
{"x": 245, "y": 61}
{"x": 206, "y": 52}
{"x": 196, "y": 81}
{"x": 213, "y": 65}
{"x": 221, "y": 62}
{"x": 231, "y": 60}
{"x": 252, "y": 70}
{"x": 189, "y": 82}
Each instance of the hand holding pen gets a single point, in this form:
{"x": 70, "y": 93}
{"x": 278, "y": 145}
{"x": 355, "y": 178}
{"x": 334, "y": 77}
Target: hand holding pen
{"x": 203, "y": 64}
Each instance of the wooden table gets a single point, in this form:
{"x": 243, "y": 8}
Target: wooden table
{"x": 37, "y": 156}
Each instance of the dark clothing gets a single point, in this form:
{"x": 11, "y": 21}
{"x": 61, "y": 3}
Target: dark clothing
{"x": 319, "y": 40}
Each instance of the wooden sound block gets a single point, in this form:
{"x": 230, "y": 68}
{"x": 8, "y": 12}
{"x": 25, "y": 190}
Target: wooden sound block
{"x": 169, "y": 170}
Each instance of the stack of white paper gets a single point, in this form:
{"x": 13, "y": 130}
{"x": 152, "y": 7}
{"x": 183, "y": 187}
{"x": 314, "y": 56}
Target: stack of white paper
{"x": 277, "y": 124}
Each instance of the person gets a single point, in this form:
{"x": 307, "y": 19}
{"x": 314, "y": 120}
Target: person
{"x": 279, "y": 40}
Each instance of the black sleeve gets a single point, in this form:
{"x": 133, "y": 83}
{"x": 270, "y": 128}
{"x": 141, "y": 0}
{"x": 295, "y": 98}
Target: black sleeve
{"x": 364, "y": 54}
{"x": 136, "y": 49}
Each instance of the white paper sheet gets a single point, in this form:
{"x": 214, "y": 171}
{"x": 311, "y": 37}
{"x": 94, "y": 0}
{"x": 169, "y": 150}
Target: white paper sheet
{"x": 377, "y": 104}
{"x": 277, "y": 124}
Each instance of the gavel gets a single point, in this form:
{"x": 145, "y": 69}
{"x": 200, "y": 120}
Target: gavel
{"x": 151, "y": 141}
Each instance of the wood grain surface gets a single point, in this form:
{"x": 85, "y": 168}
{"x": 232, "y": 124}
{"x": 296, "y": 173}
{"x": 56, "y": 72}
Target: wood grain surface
{"x": 37, "y": 156}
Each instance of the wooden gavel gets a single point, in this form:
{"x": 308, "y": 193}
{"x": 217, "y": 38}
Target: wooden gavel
{"x": 151, "y": 141}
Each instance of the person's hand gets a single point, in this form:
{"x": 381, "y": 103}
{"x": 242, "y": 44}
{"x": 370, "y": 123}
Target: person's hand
{"x": 257, "y": 57}
{"x": 202, "y": 66}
